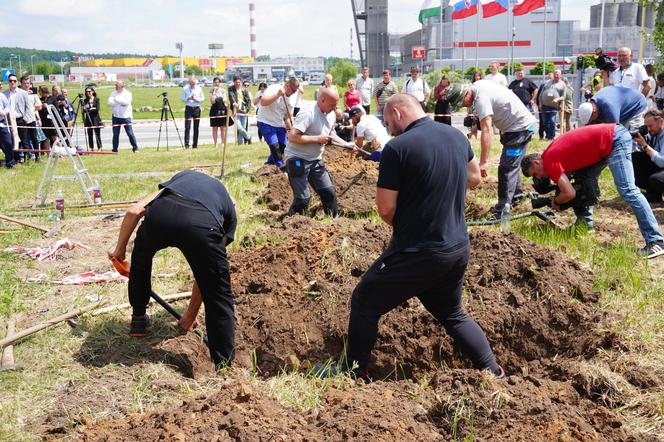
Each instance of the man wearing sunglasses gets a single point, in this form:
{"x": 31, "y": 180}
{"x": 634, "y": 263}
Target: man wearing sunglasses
{"x": 23, "y": 111}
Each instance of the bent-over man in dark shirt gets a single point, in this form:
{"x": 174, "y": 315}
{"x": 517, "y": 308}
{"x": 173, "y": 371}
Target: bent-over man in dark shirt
{"x": 421, "y": 193}
{"x": 194, "y": 213}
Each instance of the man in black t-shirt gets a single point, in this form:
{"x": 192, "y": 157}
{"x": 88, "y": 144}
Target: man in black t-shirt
{"x": 524, "y": 88}
{"x": 194, "y": 213}
{"x": 422, "y": 182}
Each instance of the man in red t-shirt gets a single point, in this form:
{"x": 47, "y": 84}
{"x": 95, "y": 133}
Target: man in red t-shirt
{"x": 589, "y": 146}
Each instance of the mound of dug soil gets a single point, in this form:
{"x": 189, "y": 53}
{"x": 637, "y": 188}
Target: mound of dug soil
{"x": 293, "y": 298}
{"x": 457, "y": 404}
{"x": 357, "y": 200}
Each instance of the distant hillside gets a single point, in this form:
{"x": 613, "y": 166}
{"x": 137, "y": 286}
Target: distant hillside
{"x": 55, "y": 56}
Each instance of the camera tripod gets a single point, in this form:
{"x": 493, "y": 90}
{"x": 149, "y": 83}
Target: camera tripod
{"x": 165, "y": 112}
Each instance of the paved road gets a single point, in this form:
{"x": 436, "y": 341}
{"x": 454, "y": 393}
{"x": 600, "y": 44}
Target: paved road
{"x": 147, "y": 133}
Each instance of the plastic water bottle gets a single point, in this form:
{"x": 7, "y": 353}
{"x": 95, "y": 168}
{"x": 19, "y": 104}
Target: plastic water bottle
{"x": 60, "y": 204}
{"x": 506, "y": 219}
{"x": 96, "y": 193}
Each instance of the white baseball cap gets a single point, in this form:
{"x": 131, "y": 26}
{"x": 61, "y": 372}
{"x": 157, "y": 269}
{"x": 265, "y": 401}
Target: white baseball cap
{"x": 585, "y": 111}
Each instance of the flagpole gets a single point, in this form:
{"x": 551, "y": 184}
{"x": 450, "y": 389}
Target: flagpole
{"x": 544, "y": 51}
{"x": 477, "y": 38}
{"x": 601, "y": 25}
{"x": 463, "y": 46}
{"x": 509, "y": 31}
{"x": 511, "y": 12}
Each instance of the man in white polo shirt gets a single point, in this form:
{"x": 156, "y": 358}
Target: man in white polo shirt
{"x": 417, "y": 87}
{"x": 371, "y": 135}
{"x": 629, "y": 74}
{"x": 120, "y": 102}
{"x": 273, "y": 116}
{"x": 365, "y": 86}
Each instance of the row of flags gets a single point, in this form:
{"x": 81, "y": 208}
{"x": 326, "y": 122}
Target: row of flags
{"x": 467, "y": 8}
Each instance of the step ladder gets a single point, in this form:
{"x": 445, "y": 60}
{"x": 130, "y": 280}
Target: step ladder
{"x": 61, "y": 148}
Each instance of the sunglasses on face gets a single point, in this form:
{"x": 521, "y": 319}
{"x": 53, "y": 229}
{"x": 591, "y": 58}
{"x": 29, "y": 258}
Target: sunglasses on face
{"x": 12, "y": 81}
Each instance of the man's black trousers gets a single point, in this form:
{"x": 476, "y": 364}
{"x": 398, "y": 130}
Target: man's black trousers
{"x": 648, "y": 176}
{"x": 436, "y": 278}
{"x": 191, "y": 113}
{"x": 173, "y": 221}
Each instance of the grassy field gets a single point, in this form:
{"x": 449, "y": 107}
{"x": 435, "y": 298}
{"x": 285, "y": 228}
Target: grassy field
{"x": 51, "y": 359}
{"x": 150, "y": 98}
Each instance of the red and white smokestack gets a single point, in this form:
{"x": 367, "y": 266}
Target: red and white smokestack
{"x": 252, "y": 29}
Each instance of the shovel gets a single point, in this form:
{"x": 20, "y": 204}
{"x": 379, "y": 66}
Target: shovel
{"x": 46, "y": 232}
{"x": 123, "y": 269}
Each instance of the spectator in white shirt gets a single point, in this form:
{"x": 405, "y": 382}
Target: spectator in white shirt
{"x": 417, "y": 87}
{"x": 192, "y": 96}
{"x": 495, "y": 74}
{"x": 659, "y": 92}
{"x": 366, "y": 87}
{"x": 120, "y": 102}
{"x": 628, "y": 74}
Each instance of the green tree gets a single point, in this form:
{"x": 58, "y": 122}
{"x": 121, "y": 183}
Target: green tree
{"x": 537, "y": 70}
{"x": 342, "y": 71}
{"x": 45, "y": 68}
{"x": 515, "y": 65}
{"x": 193, "y": 70}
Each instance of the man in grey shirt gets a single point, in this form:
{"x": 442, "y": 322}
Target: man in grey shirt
{"x": 311, "y": 131}
{"x": 553, "y": 93}
{"x": 23, "y": 112}
{"x": 496, "y": 105}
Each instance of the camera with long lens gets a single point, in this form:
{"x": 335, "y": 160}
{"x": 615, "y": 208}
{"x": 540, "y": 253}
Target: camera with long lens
{"x": 470, "y": 121}
{"x": 642, "y": 130}
{"x": 604, "y": 62}
{"x": 163, "y": 94}
{"x": 81, "y": 96}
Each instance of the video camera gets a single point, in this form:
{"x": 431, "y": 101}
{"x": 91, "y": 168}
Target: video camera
{"x": 604, "y": 62}
{"x": 81, "y": 96}
{"x": 470, "y": 121}
{"x": 163, "y": 94}
{"x": 586, "y": 187}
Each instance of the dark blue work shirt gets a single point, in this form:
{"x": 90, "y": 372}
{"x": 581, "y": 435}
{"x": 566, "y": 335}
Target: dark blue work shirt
{"x": 618, "y": 104}
{"x": 210, "y": 193}
{"x": 427, "y": 165}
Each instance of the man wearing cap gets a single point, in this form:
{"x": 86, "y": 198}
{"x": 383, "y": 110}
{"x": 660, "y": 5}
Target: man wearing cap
{"x": 592, "y": 147}
{"x": 497, "y": 105}
{"x": 273, "y": 117}
{"x": 311, "y": 131}
{"x": 371, "y": 135}
{"x": 417, "y": 87}
{"x": 614, "y": 104}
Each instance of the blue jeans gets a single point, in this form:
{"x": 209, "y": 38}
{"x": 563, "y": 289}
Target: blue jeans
{"x": 548, "y": 116}
{"x": 128, "y": 130}
{"x": 242, "y": 122}
{"x": 584, "y": 215}
{"x": 620, "y": 164}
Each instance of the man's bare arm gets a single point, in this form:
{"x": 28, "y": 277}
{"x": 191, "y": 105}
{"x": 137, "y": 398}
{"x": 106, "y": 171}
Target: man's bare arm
{"x": 485, "y": 143}
{"x": 386, "y": 202}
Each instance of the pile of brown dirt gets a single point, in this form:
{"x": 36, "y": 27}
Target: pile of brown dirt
{"x": 457, "y": 405}
{"x": 292, "y": 303}
{"x": 358, "y": 200}
{"x": 293, "y": 300}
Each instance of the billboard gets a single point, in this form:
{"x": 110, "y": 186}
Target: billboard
{"x": 56, "y": 78}
{"x": 213, "y": 46}
{"x": 204, "y": 63}
{"x": 37, "y": 78}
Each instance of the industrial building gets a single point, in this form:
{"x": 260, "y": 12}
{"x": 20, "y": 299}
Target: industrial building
{"x": 373, "y": 41}
{"x": 530, "y": 38}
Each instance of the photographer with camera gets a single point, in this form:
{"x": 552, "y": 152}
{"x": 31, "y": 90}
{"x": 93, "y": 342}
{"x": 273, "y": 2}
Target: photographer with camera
{"x": 592, "y": 86}
{"x": 615, "y": 105}
{"x": 649, "y": 160}
{"x": 659, "y": 92}
{"x": 591, "y": 146}
{"x": 628, "y": 74}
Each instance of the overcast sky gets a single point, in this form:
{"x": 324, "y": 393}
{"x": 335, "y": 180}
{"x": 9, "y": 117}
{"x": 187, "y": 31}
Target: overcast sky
{"x": 294, "y": 27}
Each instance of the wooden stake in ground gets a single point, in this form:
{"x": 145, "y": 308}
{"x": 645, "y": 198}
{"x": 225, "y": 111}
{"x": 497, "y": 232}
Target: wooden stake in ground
{"x": 46, "y": 232}
{"x": 223, "y": 153}
{"x": 7, "y": 359}
{"x": 48, "y": 323}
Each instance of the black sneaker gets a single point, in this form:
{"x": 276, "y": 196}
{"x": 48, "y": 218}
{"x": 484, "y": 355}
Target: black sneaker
{"x": 652, "y": 250}
{"x": 139, "y": 326}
